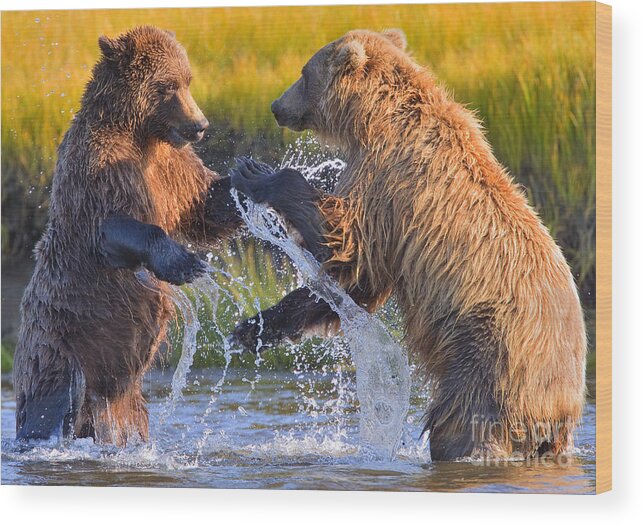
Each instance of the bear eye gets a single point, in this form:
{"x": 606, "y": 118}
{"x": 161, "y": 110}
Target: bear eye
{"x": 167, "y": 90}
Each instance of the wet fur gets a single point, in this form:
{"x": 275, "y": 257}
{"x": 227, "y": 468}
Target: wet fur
{"x": 90, "y": 331}
{"x": 425, "y": 210}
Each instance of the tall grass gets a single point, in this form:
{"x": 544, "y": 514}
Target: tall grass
{"x": 527, "y": 68}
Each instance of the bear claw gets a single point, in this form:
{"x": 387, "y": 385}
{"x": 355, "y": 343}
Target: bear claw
{"x": 174, "y": 264}
{"x": 249, "y": 176}
{"x": 246, "y": 336}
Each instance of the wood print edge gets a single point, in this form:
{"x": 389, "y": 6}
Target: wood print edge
{"x": 603, "y": 247}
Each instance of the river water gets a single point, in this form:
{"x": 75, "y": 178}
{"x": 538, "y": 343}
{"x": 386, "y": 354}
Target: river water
{"x": 278, "y": 430}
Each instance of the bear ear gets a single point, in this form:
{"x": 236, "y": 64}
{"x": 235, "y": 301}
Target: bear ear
{"x": 110, "y": 47}
{"x": 115, "y": 49}
{"x": 396, "y": 36}
{"x": 352, "y": 54}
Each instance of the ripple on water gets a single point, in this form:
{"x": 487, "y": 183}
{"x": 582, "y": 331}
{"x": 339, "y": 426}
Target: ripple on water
{"x": 270, "y": 447}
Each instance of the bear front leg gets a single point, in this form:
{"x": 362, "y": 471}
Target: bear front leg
{"x": 290, "y": 194}
{"x": 297, "y": 315}
{"x": 128, "y": 243}
{"x": 220, "y": 217}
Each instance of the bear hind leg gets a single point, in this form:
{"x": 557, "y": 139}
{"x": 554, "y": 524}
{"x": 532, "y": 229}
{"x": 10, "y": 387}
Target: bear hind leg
{"x": 464, "y": 418}
{"x": 51, "y": 396}
{"x": 119, "y": 419}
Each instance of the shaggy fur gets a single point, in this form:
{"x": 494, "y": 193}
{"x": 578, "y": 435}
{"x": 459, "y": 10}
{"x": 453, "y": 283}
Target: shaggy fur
{"x": 425, "y": 210}
{"x": 89, "y": 332}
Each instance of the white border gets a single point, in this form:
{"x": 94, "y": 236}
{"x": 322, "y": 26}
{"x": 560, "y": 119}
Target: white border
{"x": 22, "y": 506}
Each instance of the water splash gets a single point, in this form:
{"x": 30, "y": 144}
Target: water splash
{"x": 211, "y": 288}
{"x": 188, "y": 310}
{"x": 382, "y": 371}
{"x": 308, "y": 157}
{"x": 191, "y": 327}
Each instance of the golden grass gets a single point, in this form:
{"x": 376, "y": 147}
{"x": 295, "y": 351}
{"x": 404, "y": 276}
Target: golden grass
{"x": 528, "y": 68}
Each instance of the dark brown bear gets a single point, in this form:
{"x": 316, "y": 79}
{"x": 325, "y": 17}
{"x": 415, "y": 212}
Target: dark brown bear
{"x": 424, "y": 210}
{"x": 126, "y": 176}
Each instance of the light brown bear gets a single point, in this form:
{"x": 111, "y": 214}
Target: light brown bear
{"x": 126, "y": 177}
{"x": 424, "y": 210}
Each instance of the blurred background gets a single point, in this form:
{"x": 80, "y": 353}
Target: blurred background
{"x": 528, "y": 70}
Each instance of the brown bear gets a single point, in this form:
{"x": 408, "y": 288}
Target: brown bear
{"x": 126, "y": 176}
{"x": 424, "y": 210}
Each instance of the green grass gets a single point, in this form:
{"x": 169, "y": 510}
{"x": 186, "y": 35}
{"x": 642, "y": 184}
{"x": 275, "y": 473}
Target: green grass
{"x": 6, "y": 357}
{"x": 528, "y": 69}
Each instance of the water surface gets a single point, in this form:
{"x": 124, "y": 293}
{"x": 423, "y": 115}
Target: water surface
{"x": 276, "y": 430}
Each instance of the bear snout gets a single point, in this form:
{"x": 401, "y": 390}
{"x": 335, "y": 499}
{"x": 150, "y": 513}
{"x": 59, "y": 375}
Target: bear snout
{"x": 199, "y": 128}
{"x": 201, "y": 125}
{"x": 275, "y": 107}
{"x": 281, "y": 116}
{"x": 193, "y": 131}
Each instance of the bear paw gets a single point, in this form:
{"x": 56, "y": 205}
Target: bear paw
{"x": 247, "y": 336}
{"x": 171, "y": 262}
{"x": 249, "y": 177}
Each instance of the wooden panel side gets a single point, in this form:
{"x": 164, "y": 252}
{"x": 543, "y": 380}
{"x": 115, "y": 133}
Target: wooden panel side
{"x": 603, "y": 248}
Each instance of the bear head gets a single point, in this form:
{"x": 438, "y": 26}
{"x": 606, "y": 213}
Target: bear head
{"x": 339, "y": 82}
{"x": 146, "y": 76}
